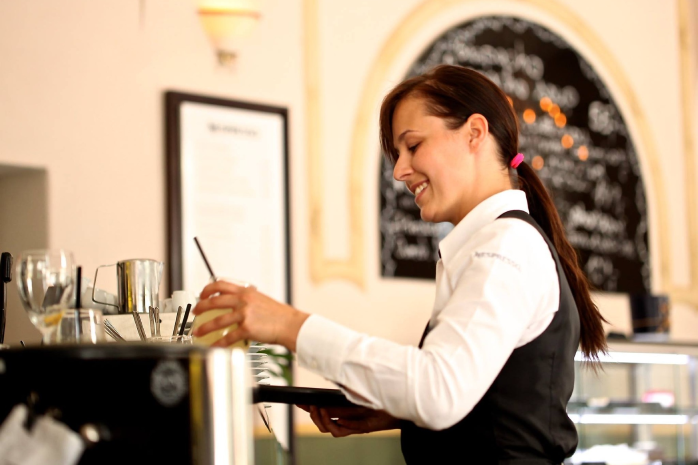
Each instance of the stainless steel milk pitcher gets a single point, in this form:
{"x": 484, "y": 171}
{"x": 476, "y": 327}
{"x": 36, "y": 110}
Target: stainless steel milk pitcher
{"x": 138, "y": 284}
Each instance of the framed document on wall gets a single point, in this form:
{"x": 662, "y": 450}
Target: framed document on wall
{"x": 227, "y": 184}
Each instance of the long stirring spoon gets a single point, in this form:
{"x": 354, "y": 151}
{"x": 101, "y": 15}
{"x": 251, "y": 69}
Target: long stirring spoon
{"x": 178, "y": 319}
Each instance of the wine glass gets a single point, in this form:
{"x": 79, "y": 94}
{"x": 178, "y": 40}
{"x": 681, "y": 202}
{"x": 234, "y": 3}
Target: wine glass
{"x": 46, "y": 280}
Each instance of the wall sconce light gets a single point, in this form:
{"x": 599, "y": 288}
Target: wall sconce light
{"x": 225, "y": 22}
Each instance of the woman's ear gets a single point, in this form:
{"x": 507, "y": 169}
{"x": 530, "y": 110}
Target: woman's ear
{"x": 477, "y": 129}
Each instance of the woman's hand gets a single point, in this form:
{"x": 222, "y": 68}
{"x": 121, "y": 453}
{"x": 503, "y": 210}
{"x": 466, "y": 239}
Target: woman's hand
{"x": 258, "y": 316}
{"x": 345, "y": 421}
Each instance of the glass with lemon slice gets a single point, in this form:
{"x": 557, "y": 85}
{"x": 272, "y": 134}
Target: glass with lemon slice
{"x": 46, "y": 280}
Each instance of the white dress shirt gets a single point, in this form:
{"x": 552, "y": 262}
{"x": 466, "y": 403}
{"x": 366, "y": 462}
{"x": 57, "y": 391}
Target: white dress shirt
{"x": 496, "y": 289}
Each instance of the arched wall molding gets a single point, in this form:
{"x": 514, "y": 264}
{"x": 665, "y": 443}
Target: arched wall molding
{"x": 374, "y": 88}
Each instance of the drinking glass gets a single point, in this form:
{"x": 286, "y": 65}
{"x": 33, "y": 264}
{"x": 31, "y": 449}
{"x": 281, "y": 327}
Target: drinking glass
{"x": 46, "y": 280}
{"x": 209, "y": 315}
{"x": 91, "y": 328}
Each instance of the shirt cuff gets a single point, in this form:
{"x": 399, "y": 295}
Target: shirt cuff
{"x": 321, "y": 346}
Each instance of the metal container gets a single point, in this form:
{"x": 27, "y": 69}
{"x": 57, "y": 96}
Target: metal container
{"x": 138, "y": 285}
{"x": 137, "y": 403}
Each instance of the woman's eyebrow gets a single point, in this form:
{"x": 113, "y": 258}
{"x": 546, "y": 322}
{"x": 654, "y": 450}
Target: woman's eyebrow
{"x": 402, "y": 136}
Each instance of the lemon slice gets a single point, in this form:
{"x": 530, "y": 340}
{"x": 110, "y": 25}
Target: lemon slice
{"x": 53, "y": 319}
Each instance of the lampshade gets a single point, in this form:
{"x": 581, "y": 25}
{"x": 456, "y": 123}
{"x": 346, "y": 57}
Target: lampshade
{"x": 225, "y": 21}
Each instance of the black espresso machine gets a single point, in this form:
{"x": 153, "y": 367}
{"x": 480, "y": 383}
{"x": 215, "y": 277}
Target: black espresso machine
{"x": 138, "y": 403}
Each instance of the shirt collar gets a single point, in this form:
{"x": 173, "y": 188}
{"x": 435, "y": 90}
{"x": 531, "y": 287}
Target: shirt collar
{"x": 484, "y": 213}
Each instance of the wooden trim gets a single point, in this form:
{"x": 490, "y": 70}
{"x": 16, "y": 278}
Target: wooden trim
{"x": 686, "y": 50}
{"x": 174, "y": 192}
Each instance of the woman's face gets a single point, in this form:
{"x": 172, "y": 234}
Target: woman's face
{"x": 434, "y": 162}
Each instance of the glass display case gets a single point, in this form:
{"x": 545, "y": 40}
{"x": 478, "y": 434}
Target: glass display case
{"x": 639, "y": 406}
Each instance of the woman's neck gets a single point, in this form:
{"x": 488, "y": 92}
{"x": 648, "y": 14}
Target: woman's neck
{"x": 489, "y": 187}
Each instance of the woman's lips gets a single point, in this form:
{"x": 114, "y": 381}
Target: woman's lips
{"x": 420, "y": 190}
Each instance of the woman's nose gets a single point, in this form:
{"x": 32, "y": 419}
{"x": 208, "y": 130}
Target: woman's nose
{"x": 402, "y": 168}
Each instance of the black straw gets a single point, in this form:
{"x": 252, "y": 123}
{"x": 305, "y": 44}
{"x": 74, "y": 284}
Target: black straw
{"x": 203, "y": 255}
{"x": 78, "y": 329}
{"x": 184, "y": 320}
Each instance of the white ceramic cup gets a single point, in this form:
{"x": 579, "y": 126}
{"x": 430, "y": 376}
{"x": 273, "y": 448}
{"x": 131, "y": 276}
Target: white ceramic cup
{"x": 182, "y": 298}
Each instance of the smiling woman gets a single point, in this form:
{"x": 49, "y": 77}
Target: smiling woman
{"x": 495, "y": 368}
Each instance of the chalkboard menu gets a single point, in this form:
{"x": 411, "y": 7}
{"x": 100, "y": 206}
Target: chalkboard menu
{"x": 571, "y": 132}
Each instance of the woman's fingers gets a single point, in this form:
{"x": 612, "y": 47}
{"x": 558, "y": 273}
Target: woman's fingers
{"x": 323, "y": 420}
{"x": 221, "y": 287}
{"x": 219, "y": 302}
{"x": 356, "y": 425}
{"x": 219, "y": 322}
{"x": 335, "y": 429}
{"x": 231, "y": 338}
{"x": 348, "y": 412}
{"x": 315, "y": 416}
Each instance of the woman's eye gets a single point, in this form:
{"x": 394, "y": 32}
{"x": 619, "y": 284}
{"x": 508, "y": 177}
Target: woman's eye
{"x": 413, "y": 148}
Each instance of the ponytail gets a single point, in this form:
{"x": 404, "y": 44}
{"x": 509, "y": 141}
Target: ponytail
{"x": 542, "y": 209}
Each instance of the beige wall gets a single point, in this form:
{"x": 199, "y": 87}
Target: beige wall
{"x": 81, "y": 85}
{"x": 81, "y": 94}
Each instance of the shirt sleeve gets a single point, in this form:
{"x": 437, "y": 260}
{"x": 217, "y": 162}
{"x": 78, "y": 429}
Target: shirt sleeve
{"x": 435, "y": 387}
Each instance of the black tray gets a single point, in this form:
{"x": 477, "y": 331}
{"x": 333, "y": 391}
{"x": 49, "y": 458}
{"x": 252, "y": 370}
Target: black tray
{"x": 300, "y": 396}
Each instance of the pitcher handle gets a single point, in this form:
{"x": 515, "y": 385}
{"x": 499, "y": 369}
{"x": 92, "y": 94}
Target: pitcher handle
{"x": 94, "y": 287}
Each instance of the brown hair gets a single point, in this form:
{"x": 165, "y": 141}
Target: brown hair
{"x": 454, "y": 93}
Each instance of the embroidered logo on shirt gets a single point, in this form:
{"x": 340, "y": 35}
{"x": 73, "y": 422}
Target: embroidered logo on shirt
{"x": 502, "y": 258}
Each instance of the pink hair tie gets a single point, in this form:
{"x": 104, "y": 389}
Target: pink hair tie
{"x": 516, "y": 161}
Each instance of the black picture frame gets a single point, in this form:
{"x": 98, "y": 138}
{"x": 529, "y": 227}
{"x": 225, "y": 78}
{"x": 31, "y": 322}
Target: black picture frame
{"x": 173, "y": 102}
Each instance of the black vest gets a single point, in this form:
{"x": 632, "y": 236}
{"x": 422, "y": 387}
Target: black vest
{"x": 522, "y": 418}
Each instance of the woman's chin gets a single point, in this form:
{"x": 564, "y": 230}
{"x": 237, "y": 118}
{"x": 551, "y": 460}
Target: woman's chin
{"x": 427, "y": 216}
{"x": 431, "y": 216}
